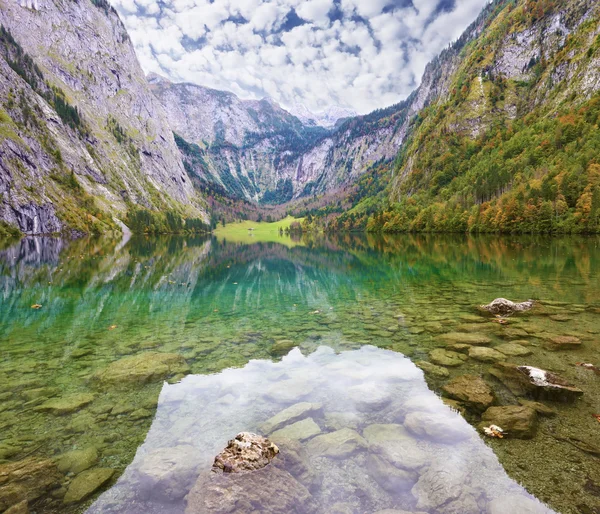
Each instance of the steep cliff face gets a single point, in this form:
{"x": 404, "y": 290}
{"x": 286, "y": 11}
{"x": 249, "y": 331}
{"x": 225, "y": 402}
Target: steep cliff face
{"x": 82, "y": 138}
{"x": 239, "y": 144}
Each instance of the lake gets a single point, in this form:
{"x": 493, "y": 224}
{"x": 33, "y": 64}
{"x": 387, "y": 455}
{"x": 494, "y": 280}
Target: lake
{"x": 126, "y": 366}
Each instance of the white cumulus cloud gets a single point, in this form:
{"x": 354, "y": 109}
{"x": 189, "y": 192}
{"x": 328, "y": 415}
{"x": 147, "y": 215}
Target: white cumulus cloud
{"x": 362, "y": 54}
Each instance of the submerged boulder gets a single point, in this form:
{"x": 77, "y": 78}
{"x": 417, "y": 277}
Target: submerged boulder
{"x": 483, "y": 354}
{"x": 168, "y": 474}
{"x": 87, "y": 483}
{"x": 447, "y": 358}
{"x": 536, "y": 382}
{"x": 472, "y": 391}
{"x": 336, "y": 445}
{"x": 269, "y": 490}
{"x": 555, "y": 343}
{"x": 515, "y": 420}
{"x": 26, "y": 480}
{"x": 77, "y": 461}
{"x": 66, "y": 404}
{"x": 244, "y": 480}
{"x": 290, "y": 415}
{"x": 142, "y": 368}
{"x": 504, "y": 307}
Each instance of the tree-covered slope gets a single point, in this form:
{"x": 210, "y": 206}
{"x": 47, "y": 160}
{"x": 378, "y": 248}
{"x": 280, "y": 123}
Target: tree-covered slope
{"x": 513, "y": 143}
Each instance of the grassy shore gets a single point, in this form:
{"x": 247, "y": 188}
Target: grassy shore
{"x": 257, "y": 232}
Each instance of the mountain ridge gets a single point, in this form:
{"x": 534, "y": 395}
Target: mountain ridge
{"x": 115, "y": 151}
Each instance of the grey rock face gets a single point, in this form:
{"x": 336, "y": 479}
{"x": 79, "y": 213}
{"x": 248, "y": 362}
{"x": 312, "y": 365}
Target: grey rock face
{"x": 84, "y": 51}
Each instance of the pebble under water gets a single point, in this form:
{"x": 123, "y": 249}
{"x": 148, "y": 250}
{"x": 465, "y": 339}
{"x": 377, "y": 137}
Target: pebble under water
{"x": 126, "y": 366}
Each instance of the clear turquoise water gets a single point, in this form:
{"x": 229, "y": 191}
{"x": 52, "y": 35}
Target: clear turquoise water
{"x": 220, "y": 305}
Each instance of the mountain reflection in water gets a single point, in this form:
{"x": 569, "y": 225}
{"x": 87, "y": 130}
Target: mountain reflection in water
{"x": 369, "y": 435}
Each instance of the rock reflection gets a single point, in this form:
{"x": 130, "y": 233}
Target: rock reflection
{"x": 359, "y": 432}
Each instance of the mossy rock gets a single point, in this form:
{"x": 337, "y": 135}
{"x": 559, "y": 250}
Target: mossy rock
{"x": 142, "y": 368}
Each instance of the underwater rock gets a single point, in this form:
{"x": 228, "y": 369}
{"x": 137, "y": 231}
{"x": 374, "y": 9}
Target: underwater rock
{"x": 513, "y": 350}
{"x": 540, "y": 408}
{"x": 439, "y": 485}
{"x": 432, "y": 369}
{"x": 26, "y": 479}
{"x": 455, "y": 405}
{"x": 515, "y": 420}
{"x": 540, "y": 384}
{"x": 336, "y": 445}
{"x": 505, "y": 307}
{"x": 291, "y": 390}
{"x": 290, "y": 415}
{"x": 299, "y": 431}
{"x": 293, "y": 458}
{"x": 142, "y": 368}
{"x": 19, "y": 508}
{"x": 471, "y": 390}
{"x": 168, "y": 474}
{"x": 86, "y": 483}
{"x": 447, "y": 358}
{"x": 395, "y": 445}
{"x": 77, "y": 461}
{"x": 369, "y": 397}
{"x": 282, "y": 347}
{"x": 483, "y": 354}
{"x": 40, "y": 392}
{"x": 448, "y": 429}
{"x": 269, "y": 490}
{"x": 555, "y": 343}
{"x": 464, "y": 338}
{"x": 339, "y": 420}
{"x": 246, "y": 452}
{"x": 66, "y": 404}
{"x": 388, "y": 476}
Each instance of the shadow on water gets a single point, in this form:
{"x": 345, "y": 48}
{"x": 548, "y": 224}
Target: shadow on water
{"x": 210, "y": 306}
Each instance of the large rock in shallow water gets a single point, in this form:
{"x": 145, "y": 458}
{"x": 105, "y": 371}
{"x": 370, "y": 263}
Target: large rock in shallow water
{"x": 87, "y": 483}
{"x": 269, "y": 491}
{"x": 142, "y": 368}
{"x": 539, "y": 383}
{"x": 246, "y": 452}
{"x": 336, "y": 445}
{"x": 26, "y": 480}
{"x": 471, "y": 390}
{"x": 290, "y": 415}
{"x": 504, "y": 307}
{"x": 168, "y": 474}
{"x": 448, "y": 429}
{"x": 514, "y": 420}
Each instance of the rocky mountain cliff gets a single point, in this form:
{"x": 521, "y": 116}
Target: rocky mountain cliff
{"x": 258, "y": 151}
{"x": 82, "y": 137}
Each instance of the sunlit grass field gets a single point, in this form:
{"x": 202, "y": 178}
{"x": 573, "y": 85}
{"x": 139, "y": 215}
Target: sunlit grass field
{"x": 258, "y": 232}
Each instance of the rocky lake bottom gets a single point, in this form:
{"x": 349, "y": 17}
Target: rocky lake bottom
{"x": 127, "y": 366}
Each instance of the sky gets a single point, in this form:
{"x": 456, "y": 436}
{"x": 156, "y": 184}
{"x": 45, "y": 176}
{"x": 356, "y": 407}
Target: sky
{"x": 358, "y": 54}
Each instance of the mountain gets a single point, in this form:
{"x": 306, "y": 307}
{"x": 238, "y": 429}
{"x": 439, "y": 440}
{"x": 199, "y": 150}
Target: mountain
{"x": 329, "y": 118}
{"x": 513, "y": 142}
{"x": 236, "y": 145}
{"x": 283, "y": 159}
{"x": 82, "y": 138}
{"x": 258, "y": 151}
{"x": 502, "y": 135}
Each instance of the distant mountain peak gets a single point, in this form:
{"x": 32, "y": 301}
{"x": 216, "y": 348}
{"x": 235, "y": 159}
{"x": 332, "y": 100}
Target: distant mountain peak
{"x": 327, "y": 118}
